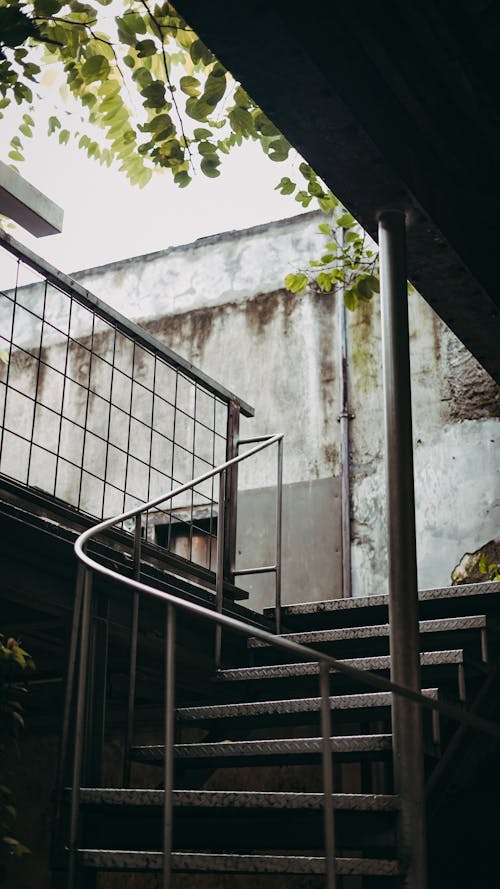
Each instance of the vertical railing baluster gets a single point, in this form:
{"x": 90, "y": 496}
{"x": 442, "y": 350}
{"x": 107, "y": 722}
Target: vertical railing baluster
{"x": 327, "y": 767}
{"x": 219, "y": 587}
{"x": 230, "y": 519}
{"x": 134, "y": 635}
{"x": 169, "y": 746}
{"x": 74, "y": 818}
{"x": 279, "y": 521}
{"x": 68, "y": 700}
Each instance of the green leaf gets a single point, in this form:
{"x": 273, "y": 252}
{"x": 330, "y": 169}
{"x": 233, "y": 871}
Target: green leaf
{"x": 328, "y": 257}
{"x": 350, "y": 299}
{"x": 201, "y": 134}
{"x": 207, "y": 149}
{"x": 95, "y": 68}
{"x": 145, "y": 48}
{"x": 314, "y": 188}
{"x": 296, "y": 283}
{"x": 215, "y": 87}
{"x": 303, "y": 198}
{"x": 306, "y": 171}
{"x": 325, "y": 281}
{"x": 285, "y": 186}
{"x": 345, "y": 220}
{"x": 279, "y": 149}
{"x": 190, "y": 86}
{"x": 209, "y": 166}
{"x": 4, "y": 356}
{"x": 200, "y": 53}
{"x": 325, "y": 228}
{"x": 352, "y": 237}
{"x": 64, "y": 137}
{"x": 264, "y": 125}
{"x": 54, "y": 124}
{"x": 241, "y": 121}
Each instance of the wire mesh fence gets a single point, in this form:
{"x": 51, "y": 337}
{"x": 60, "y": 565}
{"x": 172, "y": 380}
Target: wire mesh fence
{"x": 97, "y": 414}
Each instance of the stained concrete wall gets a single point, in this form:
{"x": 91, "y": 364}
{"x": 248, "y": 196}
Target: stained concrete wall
{"x": 220, "y": 303}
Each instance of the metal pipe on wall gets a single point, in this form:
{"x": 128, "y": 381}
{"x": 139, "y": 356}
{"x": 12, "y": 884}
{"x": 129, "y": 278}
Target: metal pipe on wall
{"x": 401, "y": 545}
{"x": 344, "y": 417}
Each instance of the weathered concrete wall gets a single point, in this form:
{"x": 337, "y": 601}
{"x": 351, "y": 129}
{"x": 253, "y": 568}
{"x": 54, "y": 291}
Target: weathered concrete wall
{"x": 456, "y": 427}
{"x": 220, "y": 303}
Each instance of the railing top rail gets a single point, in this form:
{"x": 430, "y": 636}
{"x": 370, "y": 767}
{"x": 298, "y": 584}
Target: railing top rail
{"x": 303, "y": 651}
{"x": 129, "y": 328}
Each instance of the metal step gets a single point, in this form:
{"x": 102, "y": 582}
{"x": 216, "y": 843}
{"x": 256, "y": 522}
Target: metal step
{"x": 380, "y": 662}
{"x": 197, "y": 862}
{"x": 239, "y": 799}
{"x": 297, "y": 706}
{"x": 295, "y": 749}
{"x": 440, "y": 661}
{"x": 438, "y": 602}
{"x": 343, "y": 634}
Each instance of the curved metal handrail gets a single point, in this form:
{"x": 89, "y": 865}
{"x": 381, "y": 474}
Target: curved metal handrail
{"x": 364, "y": 676}
{"x": 326, "y": 663}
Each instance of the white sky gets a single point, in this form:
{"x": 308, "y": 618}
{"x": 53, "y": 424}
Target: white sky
{"x": 105, "y": 218}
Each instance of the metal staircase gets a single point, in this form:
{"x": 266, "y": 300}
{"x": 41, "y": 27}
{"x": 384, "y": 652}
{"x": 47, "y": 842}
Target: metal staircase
{"x": 199, "y": 737}
{"x": 255, "y": 772}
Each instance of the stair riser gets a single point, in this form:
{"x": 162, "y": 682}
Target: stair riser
{"x": 447, "y": 677}
{"x": 237, "y": 829}
{"x": 470, "y": 641}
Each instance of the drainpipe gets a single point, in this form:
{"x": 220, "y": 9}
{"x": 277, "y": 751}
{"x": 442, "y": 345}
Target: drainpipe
{"x": 344, "y": 418}
{"x": 401, "y": 547}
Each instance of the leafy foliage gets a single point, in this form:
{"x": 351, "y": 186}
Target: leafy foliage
{"x": 146, "y": 82}
{"x": 14, "y": 660}
{"x": 143, "y": 78}
{"x": 492, "y": 569}
{"x": 349, "y": 258}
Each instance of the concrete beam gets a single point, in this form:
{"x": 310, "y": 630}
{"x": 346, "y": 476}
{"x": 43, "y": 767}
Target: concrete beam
{"x": 24, "y": 204}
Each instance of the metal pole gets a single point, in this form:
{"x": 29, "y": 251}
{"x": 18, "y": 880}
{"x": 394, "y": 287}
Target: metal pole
{"x": 79, "y": 732}
{"x": 230, "y": 516}
{"x": 344, "y": 418}
{"x": 402, "y": 563}
{"x": 134, "y": 635}
{"x": 169, "y": 746}
{"x": 219, "y": 587}
{"x": 326, "y": 761}
{"x": 68, "y": 699}
{"x": 279, "y": 522}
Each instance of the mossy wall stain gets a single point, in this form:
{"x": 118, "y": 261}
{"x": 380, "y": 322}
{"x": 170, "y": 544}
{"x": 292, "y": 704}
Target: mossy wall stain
{"x": 363, "y": 348}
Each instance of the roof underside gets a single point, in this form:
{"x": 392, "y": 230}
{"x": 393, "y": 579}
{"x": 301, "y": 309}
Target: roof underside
{"x": 393, "y": 105}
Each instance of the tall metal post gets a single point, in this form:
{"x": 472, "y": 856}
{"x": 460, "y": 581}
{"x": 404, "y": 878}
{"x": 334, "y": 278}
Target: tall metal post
{"x": 231, "y": 494}
{"x": 402, "y": 564}
{"x": 168, "y": 792}
{"x": 344, "y": 418}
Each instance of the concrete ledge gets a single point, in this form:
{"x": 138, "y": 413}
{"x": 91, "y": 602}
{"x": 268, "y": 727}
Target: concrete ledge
{"x": 24, "y": 204}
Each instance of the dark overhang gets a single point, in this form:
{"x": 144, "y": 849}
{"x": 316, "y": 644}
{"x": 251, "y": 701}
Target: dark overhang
{"x": 394, "y": 104}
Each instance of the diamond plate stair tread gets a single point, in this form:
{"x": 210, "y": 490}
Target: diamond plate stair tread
{"x": 380, "y": 662}
{"x": 282, "y": 747}
{"x": 294, "y": 705}
{"x": 239, "y": 799}
{"x": 224, "y": 863}
{"x": 443, "y": 625}
{"x": 454, "y": 592}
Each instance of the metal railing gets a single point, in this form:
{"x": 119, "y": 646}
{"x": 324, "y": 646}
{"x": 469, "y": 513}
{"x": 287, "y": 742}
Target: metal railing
{"x": 326, "y": 663}
{"x": 97, "y": 413}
